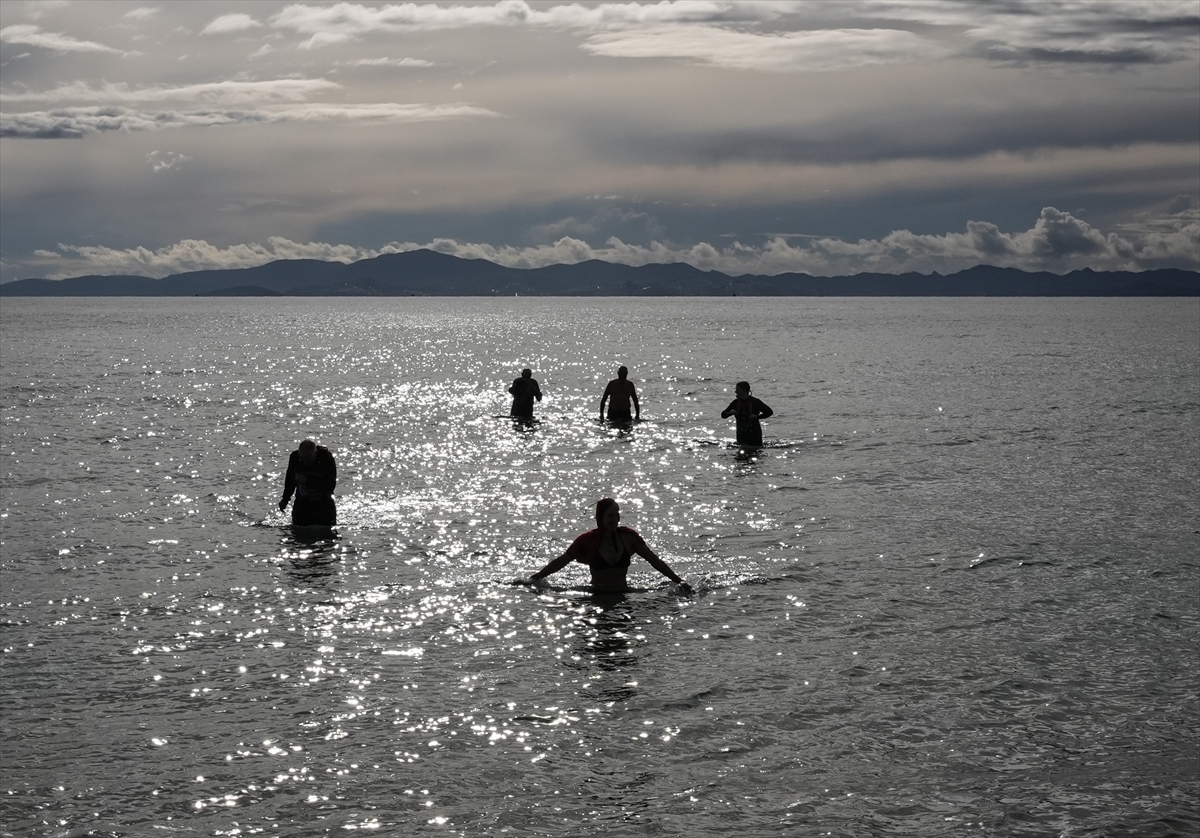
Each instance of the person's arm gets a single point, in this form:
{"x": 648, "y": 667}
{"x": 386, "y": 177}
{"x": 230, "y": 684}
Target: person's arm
{"x": 604, "y": 398}
{"x": 513, "y": 388}
{"x": 289, "y": 483}
{"x": 537, "y": 391}
{"x": 553, "y": 566}
{"x": 764, "y": 411}
{"x": 637, "y": 408}
{"x": 643, "y": 550}
{"x": 729, "y": 411}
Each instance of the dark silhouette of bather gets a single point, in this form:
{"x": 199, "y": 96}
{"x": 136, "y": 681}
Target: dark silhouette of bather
{"x": 748, "y": 411}
{"x": 524, "y": 390}
{"x": 621, "y": 392}
{"x": 312, "y": 476}
{"x": 607, "y": 551}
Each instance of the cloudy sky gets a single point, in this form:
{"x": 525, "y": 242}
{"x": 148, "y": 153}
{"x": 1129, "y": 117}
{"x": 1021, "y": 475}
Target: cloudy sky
{"x": 762, "y": 137}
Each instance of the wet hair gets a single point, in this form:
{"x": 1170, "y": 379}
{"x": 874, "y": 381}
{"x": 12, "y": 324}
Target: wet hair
{"x": 602, "y": 506}
{"x": 308, "y": 445}
{"x": 745, "y": 384}
{"x": 622, "y": 372}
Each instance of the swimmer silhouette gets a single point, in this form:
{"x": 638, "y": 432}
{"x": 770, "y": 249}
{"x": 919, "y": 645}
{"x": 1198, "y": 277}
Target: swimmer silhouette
{"x": 748, "y": 411}
{"x": 621, "y": 392}
{"x": 607, "y": 551}
{"x": 312, "y": 476}
{"x": 524, "y": 390}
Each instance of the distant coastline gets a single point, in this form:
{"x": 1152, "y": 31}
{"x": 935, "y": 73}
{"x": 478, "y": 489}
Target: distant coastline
{"x": 425, "y": 273}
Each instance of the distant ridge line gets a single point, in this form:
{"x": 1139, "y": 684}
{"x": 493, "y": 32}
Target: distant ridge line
{"x": 426, "y": 273}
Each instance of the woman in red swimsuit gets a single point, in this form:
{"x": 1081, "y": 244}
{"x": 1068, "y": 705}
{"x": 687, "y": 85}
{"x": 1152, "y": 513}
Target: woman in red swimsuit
{"x": 607, "y": 551}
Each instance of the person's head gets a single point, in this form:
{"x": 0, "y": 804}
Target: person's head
{"x": 623, "y": 372}
{"x": 527, "y": 373}
{"x": 608, "y": 514}
{"x": 742, "y": 389}
{"x": 308, "y": 450}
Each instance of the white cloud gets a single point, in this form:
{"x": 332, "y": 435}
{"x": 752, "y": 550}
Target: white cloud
{"x": 815, "y": 50}
{"x": 141, "y": 13}
{"x": 387, "y": 62}
{"x": 221, "y": 91}
{"x": 228, "y": 24}
{"x": 161, "y": 161}
{"x": 76, "y": 123}
{"x": 1057, "y": 242}
{"x": 354, "y": 20}
{"x": 24, "y": 33}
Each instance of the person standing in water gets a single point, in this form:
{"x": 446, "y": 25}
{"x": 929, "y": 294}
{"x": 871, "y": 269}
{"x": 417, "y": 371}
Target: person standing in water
{"x": 524, "y": 390}
{"x": 622, "y": 392}
{"x": 607, "y": 551}
{"x": 748, "y": 411}
{"x": 312, "y": 476}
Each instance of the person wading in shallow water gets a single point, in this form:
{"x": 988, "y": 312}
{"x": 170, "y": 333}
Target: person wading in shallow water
{"x": 748, "y": 411}
{"x": 524, "y": 390}
{"x": 607, "y": 551}
{"x": 622, "y": 392}
{"x": 312, "y": 476}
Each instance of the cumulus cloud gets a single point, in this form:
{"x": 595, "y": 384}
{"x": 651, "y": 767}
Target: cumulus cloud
{"x": 231, "y": 23}
{"x": 815, "y": 50}
{"x": 34, "y": 36}
{"x": 77, "y": 123}
{"x": 1057, "y": 241}
{"x": 161, "y": 161}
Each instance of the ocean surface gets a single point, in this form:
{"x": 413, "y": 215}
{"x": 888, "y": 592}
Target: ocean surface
{"x": 957, "y": 593}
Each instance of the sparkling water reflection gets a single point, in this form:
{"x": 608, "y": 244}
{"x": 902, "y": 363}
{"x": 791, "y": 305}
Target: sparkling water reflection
{"x": 956, "y": 590}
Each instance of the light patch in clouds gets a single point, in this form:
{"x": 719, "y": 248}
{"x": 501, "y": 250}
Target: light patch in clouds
{"x": 76, "y": 123}
{"x": 1058, "y": 241}
{"x": 141, "y": 13}
{"x": 387, "y": 62}
{"x": 34, "y": 36}
{"x": 163, "y": 160}
{"x": 811, "y": 51}
{"x": 345, "y": 21}
{"x": 221, "y": 91}
{"x": 229, "y": 24}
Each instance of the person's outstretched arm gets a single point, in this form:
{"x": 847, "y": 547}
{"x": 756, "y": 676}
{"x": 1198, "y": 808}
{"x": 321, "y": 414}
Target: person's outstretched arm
{"x": 553, "y": 566}
{"x": 662, "y": 567}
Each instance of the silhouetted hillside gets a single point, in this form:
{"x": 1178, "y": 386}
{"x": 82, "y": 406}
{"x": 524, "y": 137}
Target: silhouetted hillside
{"x": 427, "y": 273}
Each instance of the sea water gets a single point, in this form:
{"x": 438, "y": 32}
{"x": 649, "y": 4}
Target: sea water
{"x": 955, "y": 593}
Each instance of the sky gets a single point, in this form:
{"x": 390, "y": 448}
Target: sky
{"x": 829, "y": 138}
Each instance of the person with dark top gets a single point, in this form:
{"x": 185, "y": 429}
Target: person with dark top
{"x": 312, "y": 476}
{"x": 524, "y": 390}
{"x": 748, "y": 411}
{"x": 622, "y": 392}
{"x": 607, "y": 551}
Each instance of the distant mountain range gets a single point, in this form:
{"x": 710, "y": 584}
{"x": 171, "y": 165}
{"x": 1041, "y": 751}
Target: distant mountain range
{"x": 425, "y": 273}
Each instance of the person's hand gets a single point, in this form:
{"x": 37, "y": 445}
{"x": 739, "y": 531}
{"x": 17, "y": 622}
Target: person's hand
{"x": 283, "y": 506}
{"x": 685, "y": 587}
